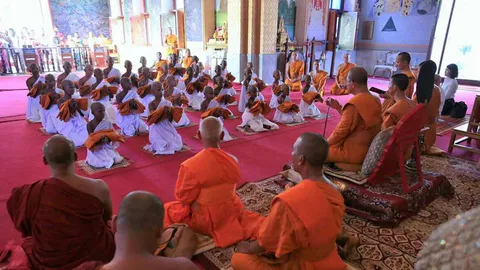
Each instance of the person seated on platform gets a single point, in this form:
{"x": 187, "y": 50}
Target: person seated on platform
{"x": 159, "y": 66}
{"x": 450, "y": 87}
{"x": 205, "y": 193}
{"x": 164, "y": 138}
{"x": 112, "y": 75}
{"x": 223, "y": 66}
{"x": 402, "y": 104}
{"x": 295, "y": 70}
{"x": 187, "y": 59}
{"x": 70, "y": 225}
{"x": 361, "y": 121}
{"x": 102, "y": 141}
{"x": 71, "y": 123}
{"x": 253, "y": 117}
{"x": 34, "y": 85}
{"x": 277, "y": 75}
{"x": 286, "y": 111}
{"x": 340, "y": 85}
{"x": 250, "y": 66}
{"x": 128, "y": 66}
{"x": 88, "y": 79}
{"x": 319, "y": 77}
{"x": 294, "y": 235}
{"x": 248, "y": 81}
{"x": 68, "y": 75}
{"x": 310, "y": 95}
{"x": 143, "y": 62}
{"x": 103, "y": 92}
{"x": 211, "y": 107}
{"x": 403, "y": 64}
{"x": 138, "y": 226}
{"x": 48, "y": 100}
{"x": 144, "y": 91}
{"x": 170, "y": 42}
{"x": 429, "y": 94}
{"x": 129, "y": 109}
{"x": 172, "y": 94}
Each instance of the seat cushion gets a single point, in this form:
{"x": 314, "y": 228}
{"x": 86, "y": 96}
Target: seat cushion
{"x": 376, "y": 150}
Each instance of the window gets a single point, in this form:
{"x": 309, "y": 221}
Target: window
{"x": 336, "y": 4}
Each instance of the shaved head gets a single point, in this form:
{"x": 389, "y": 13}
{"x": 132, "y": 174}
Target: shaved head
{"x": 59, "y": 152}
{"x": 358, "y": 75}
{"x": 140, "y": 211}
{"x": 311, "y": 149}
{"x": 49, "y": 77}
{"x": 211, "y": 129}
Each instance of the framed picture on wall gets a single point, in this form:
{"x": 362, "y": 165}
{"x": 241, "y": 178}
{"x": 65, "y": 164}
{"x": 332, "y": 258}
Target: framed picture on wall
{"x": 139, "y": 30}
{"x": 348, "y": 28}
{"x": 367, "y": 30}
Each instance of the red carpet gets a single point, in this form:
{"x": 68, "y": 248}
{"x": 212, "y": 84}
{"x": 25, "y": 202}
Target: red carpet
{"x": 260, "y": 155}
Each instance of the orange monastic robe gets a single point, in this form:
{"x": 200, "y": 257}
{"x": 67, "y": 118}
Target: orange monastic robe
{"x": 411, "y": 83}
{"x": 187, "y": 61}
{"x": 207, "y": 202}
{"x": 296, "y": 69}
{"x": 343, "y": 71}
{"x": 431, "y": 134}
{"x": 171, "y": 40}
{"x": 393, "y": 115}
{"x": 304, "y": 235}
{"x": 360, "y": 123}
{"x": 318, "y": 80}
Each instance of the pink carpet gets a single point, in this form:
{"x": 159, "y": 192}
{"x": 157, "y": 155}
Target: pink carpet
{"x": 260, "y": 156}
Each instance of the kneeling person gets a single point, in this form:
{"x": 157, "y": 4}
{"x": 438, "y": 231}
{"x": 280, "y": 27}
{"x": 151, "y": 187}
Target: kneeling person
{"x": 286, "y": 112}
{"x": 129, "y": 109}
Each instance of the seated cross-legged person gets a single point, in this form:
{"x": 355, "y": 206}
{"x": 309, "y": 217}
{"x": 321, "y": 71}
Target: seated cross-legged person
{"x": 286, "y": 112}
{"x": 112, "y": 75}
{"x": 212, "y": 107}
{"x": 172, "y": 94}
{"x": 310, "y": 95}
{"x": 340, "y": 85}
{"x": 361, "y": 121}
{"x": 138, "y": 226}
{"x": 144, "y": 90}
{"x": 67, "y": 75}
{"x": 71, "y": 123}
{"x": 70, "y": 224}
{"x": 88, "y": 79}
{"x": 248, "y": 81}
{"x": 34, "y": 83}
{"x": 253, "y": 117}
{"x": 275, "y": 88}
{"x": 296, "y": 235}
{"x": 129, "y": 109}
{"x": 103, "y": 92}
{"x": 48, "y": 100}
{"x": 401, "y": 103}
{"x": 128, "y": 66}
{"x": 318, "y": 77}
{"x": 102, "y": 140}
{"x": 295, "y": 70}
{"x": 164, "y": 138}
{"x": 205, "y": 193}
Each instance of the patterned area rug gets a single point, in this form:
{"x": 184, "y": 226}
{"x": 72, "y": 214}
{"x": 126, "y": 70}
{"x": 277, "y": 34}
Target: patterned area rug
{"x": 449, "y": 124}
{"x": 380, "y": 248}
{"x": 82, "y": 164}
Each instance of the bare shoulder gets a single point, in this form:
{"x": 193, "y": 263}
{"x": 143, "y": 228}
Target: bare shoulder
{"x": 97, "y": 188}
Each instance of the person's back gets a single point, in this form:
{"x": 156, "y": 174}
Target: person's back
{"x": 63, "y": 218}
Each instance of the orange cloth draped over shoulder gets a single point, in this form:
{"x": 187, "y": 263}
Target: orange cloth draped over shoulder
{"x": 260, "y": 107}
{"x": 225, "y": 99}
{"x": 178, "y": 100}
{"x": 296, "y": 69}
{"x": 159, "y": 68}
{"x": 65, "y": 113}
{"x": 301, "y": 237}
{"x": 207, "y": 201}
{"x": 393, "y": 115}
{"x": 96, "y": 137}
{"x": 229, "y": 77}
{"x": 288, "y": 106}
{"x": 84, "y": 89}
{"x": 319, "y": 80}
{"x": 191, "y": 87}
{"x": 46, "y": 101}
{"x": 311, "y": 97}
{"x": 36, "y": 89}
{"x": 217, "y": 112}
{"x": 124, "y": 107}
{"x": 361, "y": 121}
{"x": 103, "y": 91}
{"x": 111, "y": 79}
{"x": 171, "y": 40}
{"x": 260, "y": 84}
{"x": 187, "y": 62}
{"x": 343, "y": 71}
{"x": 163, "y": 113}
{"x": 430, "y": 136}
{"x": 62, "y": 227}
{"x": 411, "y": 83}
{"x": 144, "y": 90}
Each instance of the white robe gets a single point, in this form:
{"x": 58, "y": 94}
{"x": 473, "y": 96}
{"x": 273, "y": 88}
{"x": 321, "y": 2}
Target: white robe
{"x": 49, "y": 117}
{"x": 226, "y": 135}
{"x": 256, "y": 122}
{"x": 195, "y": 99}
{"x": 104, "y": 155}
{"x": 72, "y": 77}
{"x": 74, "y": 129}
{"x": 273, "y": 101}
{"x": 229, "y": 91}
{"x": 33, "y": 105}
{"x": 184, "y": 121}
{"x": 115, "y": 73}
{"x": 110, "y": 111}
{"x": 146, "y": 101}
{"x": 309, "y": 110}
{"x": 244, "y": 96}
{"x": 164, "y": 138}
{"x": 131, "y": 124}
{"x": 224, "y": 72}
{"x": 287, "y": 118}
{"x": 90, "y": 81}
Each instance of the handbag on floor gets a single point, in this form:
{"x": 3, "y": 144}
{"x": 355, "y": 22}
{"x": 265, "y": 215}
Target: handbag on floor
{"x": 459, "y": 110}
{"x": 448, "y": 106}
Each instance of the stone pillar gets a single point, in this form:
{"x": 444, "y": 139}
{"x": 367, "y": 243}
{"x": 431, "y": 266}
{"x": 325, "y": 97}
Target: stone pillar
{"x": 254, "y": 25}
{"x": 268, "y": 39}
{"x": 237, "y": 37}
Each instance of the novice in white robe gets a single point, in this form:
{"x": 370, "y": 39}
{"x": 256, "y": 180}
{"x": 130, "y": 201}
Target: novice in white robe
{"x": 309, "y": 110}
{"x": 49, "y": 116}
{"x": 131, "y": 124}
{"x": 164, "y": 138}
{"x": 33, "y": 103}
{"x": 114, "y": 73}
{"x": 196, "y": 98}
{"x": 104, "y": 155}
{"x": 242, "y": 102}
{"x": 171, "y": 82}
{"x": 289, "y": 117}
{"x": 226, "y": 135}
{"x": 259, "y": 122}
{"x": 110, "y": 111}
{"x": 146, "y": 100}
{"x": 276, "y": 83}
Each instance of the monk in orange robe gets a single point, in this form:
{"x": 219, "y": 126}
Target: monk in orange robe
{"x": 361, "y": 121}
{"x": 294, "y": 235}
{"x": 205, "y": 192}
{"x": 63, "y": 219}
{"x": 138, "y": 225}
{"x": 319, "y": 78}
{"x": 171, "y": 43}
{"x": 159, "y": 66}
{"x": 403, "y": 64}
{"x": 187, "y": 60}
{"x": 401, "y": 104}
{"x": 294, "y": 73}
{"x": 340, "y": 85}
